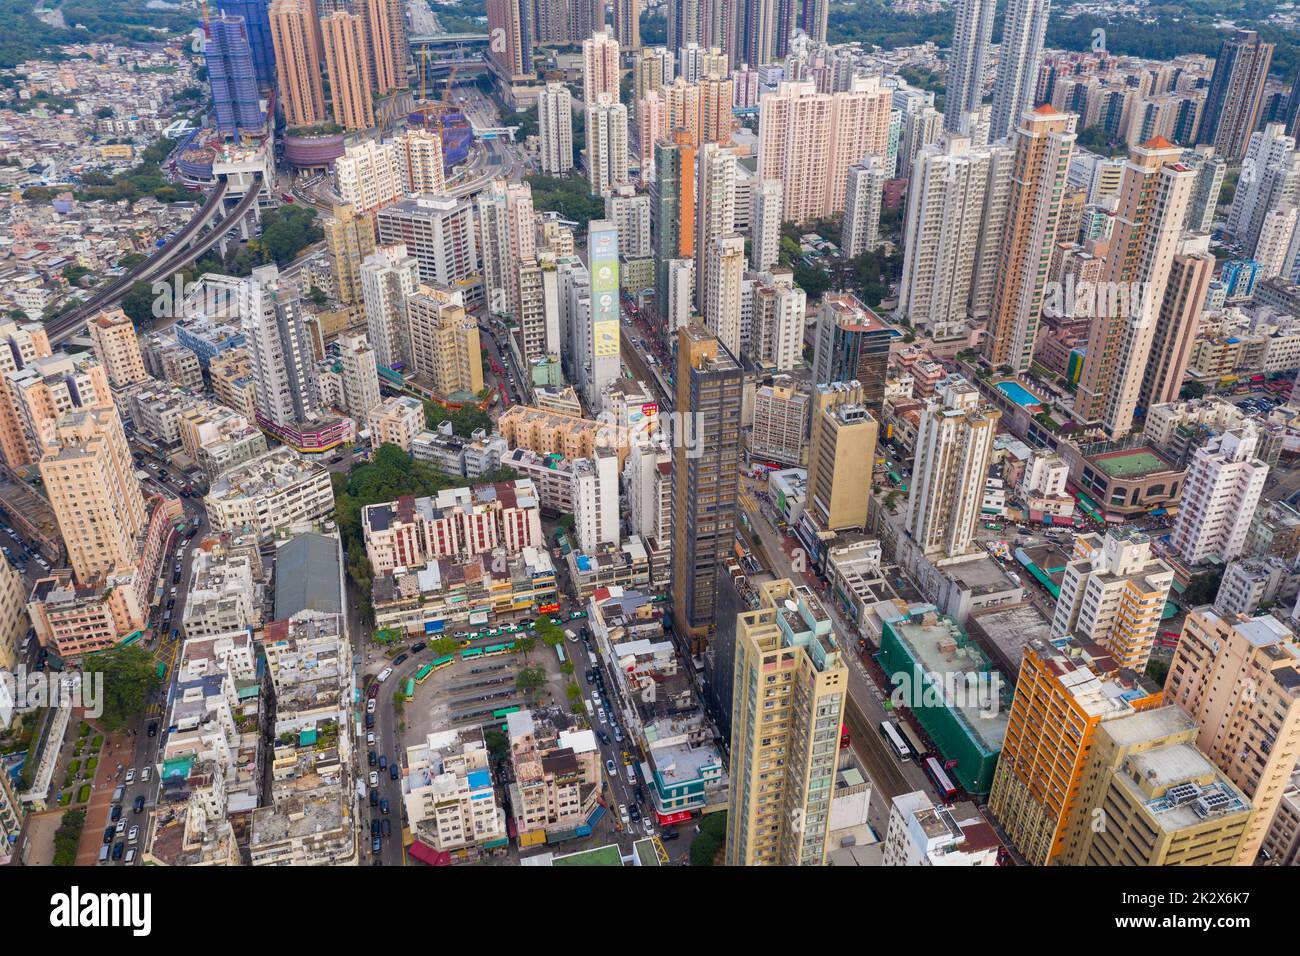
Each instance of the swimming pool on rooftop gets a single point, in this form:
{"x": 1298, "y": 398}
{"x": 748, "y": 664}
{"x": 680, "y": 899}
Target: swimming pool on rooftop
{"x": 1019, "y": 394}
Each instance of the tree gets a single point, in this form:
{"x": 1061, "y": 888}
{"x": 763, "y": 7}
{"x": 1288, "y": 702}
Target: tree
{"x": 1192, "y": 390}
{"x": 710, "y": 840}
{"x": 1157, "y": 670}
{"x": 444, "y": 647}
{"x": 130, "y": 678}
{"x": 138, "y": 303}
{"x": 552, "y": 635}
{"x": 68, "y": 837}
{"x": 525, "y": 644}
{"x": 1202, "y": 589}
{"x": 529, "y": 680}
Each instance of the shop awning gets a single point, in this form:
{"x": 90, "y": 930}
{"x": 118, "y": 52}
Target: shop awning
{"x": 668, "y": 819}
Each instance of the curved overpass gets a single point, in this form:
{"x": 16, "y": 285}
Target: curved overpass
{"x": 177, "y": 253}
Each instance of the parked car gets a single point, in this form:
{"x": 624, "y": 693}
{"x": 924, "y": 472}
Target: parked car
{"x": 383, "y": 762}
{"x": 130, "y": 776}
{"x": 383, "y": 807}
{"x": 138, "y": 806}
{"x": 393, "y": 771}
{"x": 374, "y": 778}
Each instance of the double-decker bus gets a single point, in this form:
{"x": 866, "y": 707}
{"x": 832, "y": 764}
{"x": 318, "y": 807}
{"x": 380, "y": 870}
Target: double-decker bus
{"x": 895, "y": 740}
{"x": 939, "y": 778}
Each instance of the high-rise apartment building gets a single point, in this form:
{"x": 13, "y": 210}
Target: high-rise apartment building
{"x": 1224, "y": 482}
{"x": 1151, "y": 798}
{"x": 790, "y": 689}
{"x": 956, "y": 211}
{"x": 232, "y": 77}
{"x": 368, "y": 176}
{"x": 27, "y": 342}
{"x": 600, "y": 71}
{"x": 343, "y": 36}
{"x": 809, "y": 139}
{"x": 1239, "y": 681}
{"x": 1270, "y": 177}
{"x": 511, "y": 51}
{"x": 627, "y": 23}
{"x": 607, "y": 148}
{"x": 672, "y": 210}
{"x": 717, "y": 94}
{"x": 1148, "y": 225}
{"x": 852, "y": 343}
{"x": 715, "y": 218}
{"x": 765, "y": 224}
{"x": 706, "y": 476}
{"x": 555, "y": 129}
{"x": 113, "y": 339}
{"x": 972, "y": 34}
{"x": 386, "y": 44}
{"x": 258, "y": 27}
{"x": 722, "y": 306}
{"x": 360, "y": 376}
{"x": 1043, "y": 143}
{"x": 862, "y": 198}
{"x": 776, "y": 326}
{"x": 440, "y": 232}
{"x": 954, "y": 442}
{"x": 1210, "y": 170}
{"x": 598, "y": 327}
{"x": 630, "y": 211}
{"x": 1113, "y": 594}
{"x": 1236, "y": 94}
{"x": 1019, "y": 54}
{"x": 420, "y": 162}
{"x": 1062, "y": 695}
{"x": 509, "y": 239}
{"x": 295, "y": 32}
{"x": 388, "y": 276}
{"x": 842, "y": 441}
{"x": 444, "y": 343}
{"x": 349, "y": 239}
{"x": 280, "y": 347}
{"x": 1184, "y": 297}
{"x": 91, "y": 485}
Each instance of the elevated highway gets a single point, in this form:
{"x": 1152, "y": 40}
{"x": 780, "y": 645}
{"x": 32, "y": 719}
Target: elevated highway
{"x": 183, "y": 248}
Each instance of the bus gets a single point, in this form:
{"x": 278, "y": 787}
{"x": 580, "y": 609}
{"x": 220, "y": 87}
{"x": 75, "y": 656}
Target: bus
{"x": 442, "y": 662}
{"x": 913, "y": 741}
{"x": 162, "y": 670}
{"x": 132, "y": 639}
{"x": 494, "y": 650}
{"x": 472, "y": 653}
{"x": 408, "y": 692}
{"x": 423, "y": 673}
{"x": 896, "y": 742}
{"x": 844, "y": 737}
{"x": 942, "y": 784}
{"x": 504, "y": 711}
{"x": 559, "y": 652}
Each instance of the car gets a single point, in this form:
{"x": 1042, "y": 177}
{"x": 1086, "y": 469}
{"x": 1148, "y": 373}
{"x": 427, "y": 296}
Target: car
{"x": 591, "y": 676}
{"x": 622, "y": 812}
{"x": 604, "y": 718}
{"x": 371, "y": 759}
{"x": 116, "y": 813}
{"x": 394, "y": 771}
{"x": 372, "y": 691}
{"x": 374, "y": 827}
{"x": 374, "y": 778}
{"x": 108, "y": 834}
{"x": 146, "y": 773}
{"x": 383, "y": 807}
{"x": 399, "y": 659}
{"x": 604, "y": 737}
{"x": 640, "y": 794}
{"x": 130, "y": 776}
{"x": 383, "y": 762}
{"x": 172, "y": 594}
{"x": 386, "y": 673}
{"x": 386, "y": 827}
{"x": 374, "y": 797}
{"x": 130, "y": 855}
{"x": 595, "y": 698}
{"x": 370, "y": 721}
{"x": 133, "y": 834}
{"x": 668, "y": 833}
{"x": 610, "y": 768}
{"x": 138, "y": 805}
{"x": 376, "y": 845}
{"x": 634, "y": 812}
{"x": 618, "y": 734}
{"x": 171, "y": 603}
{"x": 370, "y": 706}
{"x": 370, "y": 739}
{"x": 118, "y": 850}
{"x": 416, "y": 648}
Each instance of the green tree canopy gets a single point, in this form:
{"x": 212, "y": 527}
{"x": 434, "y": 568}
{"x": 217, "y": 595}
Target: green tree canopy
{"x": 130, "y": 679}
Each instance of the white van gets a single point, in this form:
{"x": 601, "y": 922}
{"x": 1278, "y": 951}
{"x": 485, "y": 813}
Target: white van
{"x": 590, "y": 710}
{"x": 631, "y": 773}
{"x": 103, "y": 853}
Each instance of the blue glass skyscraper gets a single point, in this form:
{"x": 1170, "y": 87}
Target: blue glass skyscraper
{"x": 258, "y": 24}
{"x": 233, "y": 80}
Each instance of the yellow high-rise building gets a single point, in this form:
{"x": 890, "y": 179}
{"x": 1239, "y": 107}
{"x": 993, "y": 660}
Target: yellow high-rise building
{"x": 1063, "y": 694}
{"x": 841, "y": 453}
{"x": 788, "y": 705}
{"x": 444, "y": 343}
{"x": 1151, "y": 798}
{"x": 113, "y": 338}
{"x": 1240, "y": 681}
{"x": 94, "y": 493}
{"x": 349, "y": 238}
